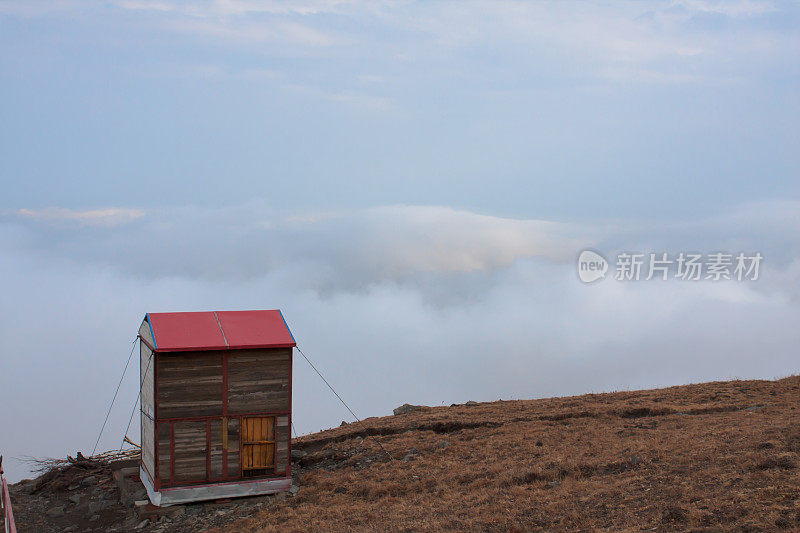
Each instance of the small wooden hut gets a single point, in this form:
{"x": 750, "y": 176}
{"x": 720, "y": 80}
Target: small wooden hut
{"x": 216, "y": 404}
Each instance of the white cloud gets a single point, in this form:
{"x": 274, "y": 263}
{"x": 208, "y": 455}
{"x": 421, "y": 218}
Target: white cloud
{"x": 624, "y": 74}
{"x": 361, "y": 248}
{"x": 351, "y": 98}
{"x": 147, "y": 5}
{"x": 111, "y": 216}
{"x": 227, "y": 8}
{"x": 280, "y": 33}
{"x": 352, "y": 249}
{"x": 730, "y": 8}
{"x": 619, "y": 42}
{"x": 439, "y": 239}
{"x": 38, "y": 8}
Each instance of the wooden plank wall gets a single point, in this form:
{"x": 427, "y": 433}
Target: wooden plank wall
{"x": 146, "y": 333}
{"x": 189, "y": 384}
{"x": 282, "y": 444}
{"x": 146, "y": 371}
{"x": 163, "y": 452}
{"x": 233, "y": 448}
{"x": 258, "y": 381}
{"x": 190, "y": 450}
{"x": 215, "y": 437}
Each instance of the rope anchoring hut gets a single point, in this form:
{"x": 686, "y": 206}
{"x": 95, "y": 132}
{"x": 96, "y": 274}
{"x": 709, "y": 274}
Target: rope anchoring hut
{"x": 216, "y": 405}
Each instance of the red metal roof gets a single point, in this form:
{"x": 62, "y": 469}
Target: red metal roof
{"x": 219, "y": 330}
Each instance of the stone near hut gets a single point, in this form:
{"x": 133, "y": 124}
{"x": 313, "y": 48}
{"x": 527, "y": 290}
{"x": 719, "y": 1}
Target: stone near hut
{"x": 28, "y": 486}
{"x": 412, "y": 454}
{"x": 97, "y": 506}
{"x": 407, "y": 408}
{"x": 139, "y": 494}
{"x": 88, "y": 481}
{"x": 56, "y": 511}
{"x": 194, "y": 510}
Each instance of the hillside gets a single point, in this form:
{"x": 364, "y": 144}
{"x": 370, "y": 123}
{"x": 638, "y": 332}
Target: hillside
{"x": 715, "y": 455}
{"x": 712, "y": 456}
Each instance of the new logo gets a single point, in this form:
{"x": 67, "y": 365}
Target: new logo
{"x": 591, "y": 266}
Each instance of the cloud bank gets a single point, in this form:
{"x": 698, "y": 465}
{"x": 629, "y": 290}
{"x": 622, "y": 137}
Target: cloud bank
{"x": 343, "y": 250}
{"x": 394, "y": 304}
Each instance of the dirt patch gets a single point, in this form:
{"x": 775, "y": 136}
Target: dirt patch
{"x": 639, "y": 412}
{"x": 785, "y": 462}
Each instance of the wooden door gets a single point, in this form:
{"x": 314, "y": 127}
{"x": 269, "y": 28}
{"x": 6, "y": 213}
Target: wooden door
{"x": 258, "y": 446}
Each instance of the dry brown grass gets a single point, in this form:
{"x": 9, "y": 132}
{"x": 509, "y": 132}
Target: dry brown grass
{"x": 714, "y": 456}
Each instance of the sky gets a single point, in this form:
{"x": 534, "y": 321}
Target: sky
{"x": 409, "y": 182}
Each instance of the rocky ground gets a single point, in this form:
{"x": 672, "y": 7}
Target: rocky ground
{"x": 90, "y": 495}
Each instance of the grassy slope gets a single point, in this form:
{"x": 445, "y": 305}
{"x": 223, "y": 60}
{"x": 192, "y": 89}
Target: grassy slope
{"x": 709, "y": 456}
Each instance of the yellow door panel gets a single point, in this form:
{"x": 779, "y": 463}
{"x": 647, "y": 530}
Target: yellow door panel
{"x": 258, "y": 445}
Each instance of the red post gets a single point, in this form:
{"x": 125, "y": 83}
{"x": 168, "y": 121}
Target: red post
{"x": 208, "y": 450}
{"x": 8, "y": 513}
{"x": 156, "y": 441}
{"x": 225, "y": 415}
{"x": 289, "y": 429}
{"x": 172, "y": 452}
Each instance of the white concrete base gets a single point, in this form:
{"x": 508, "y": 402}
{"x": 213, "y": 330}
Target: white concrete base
{"x": 211, "y": 491}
